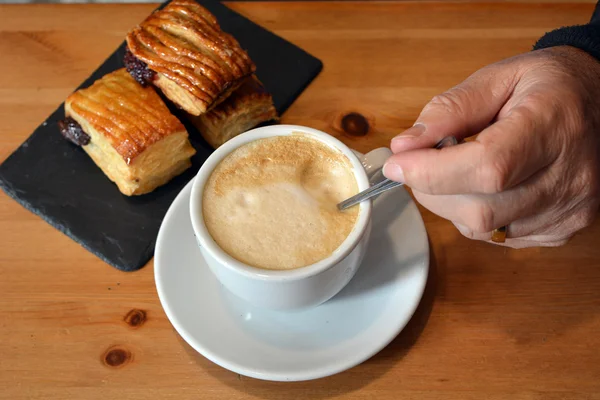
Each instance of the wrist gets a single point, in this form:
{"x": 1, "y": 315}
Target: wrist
{"x": 583, "y": 37}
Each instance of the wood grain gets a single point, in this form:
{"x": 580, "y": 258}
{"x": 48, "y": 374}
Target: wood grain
{"x": 494, "y": 324}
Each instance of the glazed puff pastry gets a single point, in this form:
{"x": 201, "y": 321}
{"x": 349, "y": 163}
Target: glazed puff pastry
{"x": 247, "y": 107}
{"x": 182, "y": 50}
{"x": 129, "y": 133}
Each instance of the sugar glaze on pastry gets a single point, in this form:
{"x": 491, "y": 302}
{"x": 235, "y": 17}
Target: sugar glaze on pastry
{"x": 197, "y": 65}
{"x": 247, "y": 107}
{"x": 133, "y": 137}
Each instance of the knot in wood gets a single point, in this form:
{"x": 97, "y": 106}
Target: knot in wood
{"x": 117, "y": 356}
{"x": 135, "y": 318}
{"x": 355, "y": 124}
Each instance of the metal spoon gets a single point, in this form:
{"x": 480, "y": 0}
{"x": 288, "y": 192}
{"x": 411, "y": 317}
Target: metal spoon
{"x": 387, "y": 184}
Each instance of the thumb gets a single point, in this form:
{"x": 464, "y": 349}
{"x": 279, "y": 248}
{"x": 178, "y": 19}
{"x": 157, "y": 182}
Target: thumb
{"x": 462, "y": 111}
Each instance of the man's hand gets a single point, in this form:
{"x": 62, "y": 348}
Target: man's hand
{"x": 535, "y": 162}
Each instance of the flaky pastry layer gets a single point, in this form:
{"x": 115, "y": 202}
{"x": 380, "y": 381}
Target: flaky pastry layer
{"x": 134, "y": 138}
{"x": 197, "y": 65}
{"x": 246, "y": 108}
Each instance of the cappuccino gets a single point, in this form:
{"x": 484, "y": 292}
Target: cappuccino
{"x": 272, "y": 203}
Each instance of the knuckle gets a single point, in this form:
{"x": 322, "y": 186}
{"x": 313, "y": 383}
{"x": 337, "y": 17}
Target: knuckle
{"x": 575, "y": 191}
{"x": 584, "y": 187}
{"x": 447, "y": 102}
{"x": 502, "y": 86}
{"x": 586, "y": 193}
{"x": 586, "y": 218}
{"x": 592, "y": 178}
{"x": 469, "y": 234}
{"x": 481, "y": 219}
{"x": 557, "y": 243}
{"x": 534, "y": 116}
{"x": 578, "y": 220}
{"x": 465, "y": 231}
{"x": 529, "y": 111}
{"x": 425, "y": 180}
{"x": 562, "y": 109}
{"x": 493, "y": 175}
{"x": 428, "y": 182}
{"x": 532, "y": 102}
{"x": 539, "y": 109}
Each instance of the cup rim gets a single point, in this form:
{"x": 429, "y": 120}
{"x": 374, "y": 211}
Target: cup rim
{"x": 206, "y": 241}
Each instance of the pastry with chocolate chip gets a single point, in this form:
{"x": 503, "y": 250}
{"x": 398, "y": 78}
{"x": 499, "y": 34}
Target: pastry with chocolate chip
{"x": 248, "y": 106}
{"x": 182, "y": 50}
{"x": 128, "y": 131}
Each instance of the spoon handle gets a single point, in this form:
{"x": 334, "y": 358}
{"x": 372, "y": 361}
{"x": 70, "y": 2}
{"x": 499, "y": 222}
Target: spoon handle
{"x": 386, "y": 184}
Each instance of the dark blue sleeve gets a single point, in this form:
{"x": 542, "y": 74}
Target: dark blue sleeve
{"x": 584, "y": 37}
{"x": 596, "y": 14}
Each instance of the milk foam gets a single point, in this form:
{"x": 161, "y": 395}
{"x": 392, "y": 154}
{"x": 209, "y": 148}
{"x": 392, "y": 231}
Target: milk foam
{"x": 272, "y": 203}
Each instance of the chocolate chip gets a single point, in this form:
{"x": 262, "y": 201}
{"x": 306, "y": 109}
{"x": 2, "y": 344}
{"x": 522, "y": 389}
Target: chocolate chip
{"x": 72, "y": 131}
{"x": 138, "y": 69}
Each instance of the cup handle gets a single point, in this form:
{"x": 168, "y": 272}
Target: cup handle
{"x": 373, "y": 162}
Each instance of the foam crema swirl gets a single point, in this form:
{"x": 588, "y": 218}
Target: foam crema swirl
{"x": 272, "y": 203}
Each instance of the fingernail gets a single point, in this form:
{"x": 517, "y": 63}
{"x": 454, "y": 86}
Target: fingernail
{"x": 414, "y": 131}
{"x": 393, "y": 171}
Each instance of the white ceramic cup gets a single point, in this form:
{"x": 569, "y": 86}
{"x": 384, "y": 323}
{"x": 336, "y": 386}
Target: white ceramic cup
{"x": 301, "y": 287}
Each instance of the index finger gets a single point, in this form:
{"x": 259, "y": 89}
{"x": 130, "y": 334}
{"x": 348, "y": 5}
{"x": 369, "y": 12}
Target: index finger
{"x": 504, "y": 154}
{"x": 462, "y": 111}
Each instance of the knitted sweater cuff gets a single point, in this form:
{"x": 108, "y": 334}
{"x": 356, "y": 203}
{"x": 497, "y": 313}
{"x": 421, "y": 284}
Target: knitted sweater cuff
{"x": 584, "y": 37}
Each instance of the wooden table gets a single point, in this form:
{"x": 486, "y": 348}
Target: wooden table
{"x": 494, "y": 323}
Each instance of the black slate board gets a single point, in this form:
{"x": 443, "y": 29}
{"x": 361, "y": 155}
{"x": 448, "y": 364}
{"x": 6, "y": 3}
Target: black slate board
{"x": 58, "y": 181}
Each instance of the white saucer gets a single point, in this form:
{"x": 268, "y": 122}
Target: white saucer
{"x": 339, "y": 334}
